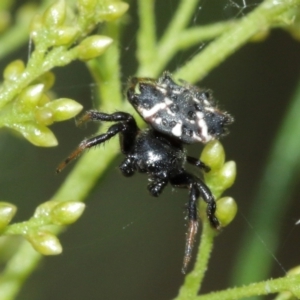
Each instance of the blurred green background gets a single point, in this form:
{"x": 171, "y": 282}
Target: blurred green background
{"x": 128, "y": 245}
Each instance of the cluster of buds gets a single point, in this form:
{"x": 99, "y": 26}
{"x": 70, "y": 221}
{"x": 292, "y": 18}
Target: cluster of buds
{"x": 58, "y": 26}
{"x": 220, "y": 177}
{"x": 52, "y": 213}
{"x": 39, "y": 229}
{"x": 60, "y": 35}
{"x": 33, "y": 110}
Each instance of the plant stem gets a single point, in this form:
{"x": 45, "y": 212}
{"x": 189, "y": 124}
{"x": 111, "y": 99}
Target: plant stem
{"x": 146, "y": 38}
{"x": 180, "y": 20}
{"x": 289, "y": 283}
{"x": 264, "y": 16}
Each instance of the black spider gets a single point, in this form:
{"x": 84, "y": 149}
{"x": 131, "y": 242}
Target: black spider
{"x": 177, "y": 115}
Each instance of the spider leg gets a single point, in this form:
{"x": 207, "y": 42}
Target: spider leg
{"x": 89, "y": 143}
{"x": 93, "y": 115}
{"x": 127, "y": 127}
{"x": 196, "y": 188}
{"x": 127, "y": 167}
{"x": 128, "y": 132}
{"x": 197, "y": 163}
{"x": 156, "y": 186}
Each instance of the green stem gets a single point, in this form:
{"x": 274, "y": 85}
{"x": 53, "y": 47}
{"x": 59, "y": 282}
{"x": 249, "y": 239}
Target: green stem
{"x": 216, "y": 52}
{"x": 146, "y": 38}
{"x": 18, "y": 268}
{"x": 106, "y": 72}
{"x": 186, "y": 39}
{"x": 180, "y": 20}
{"x": 195, "y": 35}
{"x": 193, "y": 280}
{"x": 289, "y": 283}
{"x": 273, "y": 197}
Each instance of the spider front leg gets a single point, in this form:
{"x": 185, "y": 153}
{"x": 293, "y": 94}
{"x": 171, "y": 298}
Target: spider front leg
{"x": 89, "y": 143}
{"x": 197, "y": 163}
{"x": 196, "y": 188}
{"x": 127, "y": 128}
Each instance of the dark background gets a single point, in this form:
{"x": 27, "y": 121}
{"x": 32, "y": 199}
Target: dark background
{"x": 128, "y": 245}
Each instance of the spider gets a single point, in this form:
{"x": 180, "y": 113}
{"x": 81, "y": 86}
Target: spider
{"x": 177, "y": 115}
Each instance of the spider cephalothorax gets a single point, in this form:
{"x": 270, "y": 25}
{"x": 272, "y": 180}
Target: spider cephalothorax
{"x": 177, "y": 115}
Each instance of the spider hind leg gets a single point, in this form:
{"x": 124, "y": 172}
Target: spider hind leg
{"x": 196, "y": 188}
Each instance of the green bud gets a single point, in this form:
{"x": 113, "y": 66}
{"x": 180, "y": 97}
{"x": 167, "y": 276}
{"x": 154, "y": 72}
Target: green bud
{"x": 227, "y": 174}
{"x": 55, "y": 15}
{"x": 14, "y": 70}
{"x": 44, "y": 209}
{"x": 66, "y": 213}
{"x": 213, "y": 155}
{"x": 294, "y": 271}
{"x": 44, "y": 116}
{"x": 44, "y": 100}
{"x": 64, "y": 109}
{"x": 7, "y": 212}
{"x": 31, "y": 95}
{"x": 47, "y": 79}
{"x": 44, "y": 242}
{"x": 114, "y": 11}
{"x": 93, "y": 46}
{"x": 35, "y": 27}
{"x": 64, "y": 35}
{"x": 86, "y": 5}
{"x": 220, "y": 180}
{"x": 226, "y": 210}
{"x": 38, "y": 135}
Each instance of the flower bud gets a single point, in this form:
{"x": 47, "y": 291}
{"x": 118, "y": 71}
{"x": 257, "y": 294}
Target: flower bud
{"x": 31, "y": 95}
{"x": 44, "y": 209}
{"x": 227, "y": 174}
{"x": 55, "y": 15}
{"x": 66, "y": 213}
{"x": 213, "y": 155}
{"x": 294, "y": 271}
{"x": 44, "y": 116}
{"x": 7, "y": 212}
{"x": 38, "y": 135}
{"x": 93, "y": 46}
{"x": 64, "y": 109}
{"x": 14, "y": 70}
{"x": 226, "y": 210}
{"x": 47, "y": 79}
{"x": 64, "y": 35}
{"x": 44, "y": 242}
{"x": 114, "y": 11}
{"x": 44, "y": 100}
{"x": 221, "y": 179}
{"x": 86, "y": 5}
{"x": 36, "y": 26}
